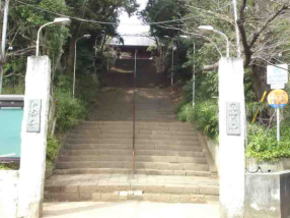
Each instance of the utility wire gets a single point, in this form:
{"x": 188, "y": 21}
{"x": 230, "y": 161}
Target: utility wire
{"x": 63, "y": 15}
{"x": 101, "y": 22}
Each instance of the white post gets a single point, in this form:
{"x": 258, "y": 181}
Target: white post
{"x": 4, "y": 29}
{"x": 34, "y": 137}
{"x": 278, "y": 124}
{"x": 3, "y": 42}
{"x": 235, "y": 8}
{"x": 232, "y": 120}
{"x": 75, "y": 62}
{"x": 135, "y": 64}
{"x": 193, "y": 75}
{"x": 172, "y": 67}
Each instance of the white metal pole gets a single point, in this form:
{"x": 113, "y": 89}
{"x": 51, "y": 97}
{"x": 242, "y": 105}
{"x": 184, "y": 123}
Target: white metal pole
{"x": 278, "y": 124}
{"x": 193, "y": 75}
{"x": 227, "y": 41}
{"x": 172, "y": 67}
{"x": 75, "y": 61}
{"x": 3, "y": 44}
{"x": 38, "y": 37}
{"x": 135, "y": 65}
{"x": 237, "y": 28}
{"x": 4, "y": 29}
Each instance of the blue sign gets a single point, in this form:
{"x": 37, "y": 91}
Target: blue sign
{"x": 276, "y": 106}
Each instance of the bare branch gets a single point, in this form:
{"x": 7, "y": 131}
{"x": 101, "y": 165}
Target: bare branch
{"x": 220, "y": 16}
{"x": 211, "y": 67}
{"x": 244, "y": 37}
{"x": 267, "y": 22}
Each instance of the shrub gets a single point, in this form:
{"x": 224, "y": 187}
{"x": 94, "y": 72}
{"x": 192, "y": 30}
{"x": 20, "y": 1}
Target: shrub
{"x": 185, "y": 112}
{"x": 69, "y": 111}
{"x": 53, "y": 146}
{"x": 263, "y": 145}
{"x": 206, "y": 117}
{"x": 204, "y": 114}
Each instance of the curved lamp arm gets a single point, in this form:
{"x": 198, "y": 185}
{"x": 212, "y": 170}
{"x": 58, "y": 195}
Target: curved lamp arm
{"x": 38, "y": 36}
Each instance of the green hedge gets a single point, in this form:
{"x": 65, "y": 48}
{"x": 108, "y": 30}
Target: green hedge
{"x": 69, "y": 111}
{"x": 263, "y": 146}
{"x": 204, "y": 114}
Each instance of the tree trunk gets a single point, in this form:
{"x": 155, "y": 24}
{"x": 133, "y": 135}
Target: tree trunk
{"x": 259, "y": 79}
{"x": 70, "y": 57}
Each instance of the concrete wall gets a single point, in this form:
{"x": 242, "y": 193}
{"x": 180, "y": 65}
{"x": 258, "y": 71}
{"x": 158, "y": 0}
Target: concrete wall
{"x": 8, "y": 193}
{"x": 266, "y": 166}
{"x": 213, "y": 147}
{"x": 267, "y": 195}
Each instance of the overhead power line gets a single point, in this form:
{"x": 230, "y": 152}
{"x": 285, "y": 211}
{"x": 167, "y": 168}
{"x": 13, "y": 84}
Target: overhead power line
{"x": 97, "y": 21}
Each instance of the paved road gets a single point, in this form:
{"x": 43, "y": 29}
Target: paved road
{"x": 130, "y": 209}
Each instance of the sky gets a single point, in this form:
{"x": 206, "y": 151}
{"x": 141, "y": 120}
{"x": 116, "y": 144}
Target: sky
{"x": 133, "y": 25}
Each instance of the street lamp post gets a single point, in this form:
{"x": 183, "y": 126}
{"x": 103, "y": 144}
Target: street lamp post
{"x": 172, "y": 64}
{"x": 234, "y": 2}
{"x": 3, "y": 42}
{"x": 193, "y": 70}
{"x": 63, "y": 20}
{"x": 85, "y": 36}
{"x": 210, "y": 28}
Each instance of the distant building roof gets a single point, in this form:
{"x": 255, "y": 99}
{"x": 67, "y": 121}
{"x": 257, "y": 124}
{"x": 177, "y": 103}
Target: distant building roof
{"x": 133, "y": 40}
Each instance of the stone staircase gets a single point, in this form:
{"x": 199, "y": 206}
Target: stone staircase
{"x": 171, "y": 165}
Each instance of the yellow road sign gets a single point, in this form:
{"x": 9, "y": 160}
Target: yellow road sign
{"x": 278, "y": 98}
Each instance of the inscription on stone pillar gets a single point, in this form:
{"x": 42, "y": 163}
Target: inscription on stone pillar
{"x": 233, "y": 119}
{"x": 34, "y": 116}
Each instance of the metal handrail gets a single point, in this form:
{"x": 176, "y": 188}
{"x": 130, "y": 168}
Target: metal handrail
{"x": 134, "y": 113}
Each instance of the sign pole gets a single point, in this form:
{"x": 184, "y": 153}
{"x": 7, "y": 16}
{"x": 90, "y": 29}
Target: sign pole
{"x": 278, "y": 124}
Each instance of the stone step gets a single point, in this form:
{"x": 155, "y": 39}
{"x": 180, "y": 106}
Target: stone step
{"x": 117, "y": 196}
{"x": 128, "y": 156}
{"x": 96, "y": 151}
{"x": 93, "y": 164}
{"x": 99, "y": 140}
{"x": 193, "y": 148}
{"x": 169, "y": 142}
{"x": 145, "y": 126}
{"x": 129, "y": 171}
{"x": 171, "y": 166}
{"x": 92, "y": 171}
{"x": 143, "y": 123}
{"x": 104, "y": 187}
{"x": 138, "y": 131}
{"x": 139, "y": 136}
{"x": 98, "y": 146}
{"x": 100, "y": 135}
{"x": 100, "y": 151}
{"x": 128, "y": 164}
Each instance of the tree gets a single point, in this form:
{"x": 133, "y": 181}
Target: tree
{"x": 26, "y": 16}
{"x": 263, "y": 28}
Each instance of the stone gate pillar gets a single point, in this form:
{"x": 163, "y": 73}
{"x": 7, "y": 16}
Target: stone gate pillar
{"x": 34, "y": 136}
{"x": 232, "y": 121}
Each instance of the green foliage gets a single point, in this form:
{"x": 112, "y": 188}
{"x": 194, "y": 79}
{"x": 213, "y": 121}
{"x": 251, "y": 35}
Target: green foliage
{"x": 69, "y": 110}
{"x": 207, "y": 86}
{"x": 9, "y": 166}
{"x": 14, "y": 89}
{"x": 160, "y": 10}
{"x": 206, "y": 117}
{"x": 53, "y": 146}
{"x": 263, "y": 145}
{"x": 185, "y": 113}
{"x": 255, "y": 107}
{"x": 204, "y": 114}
